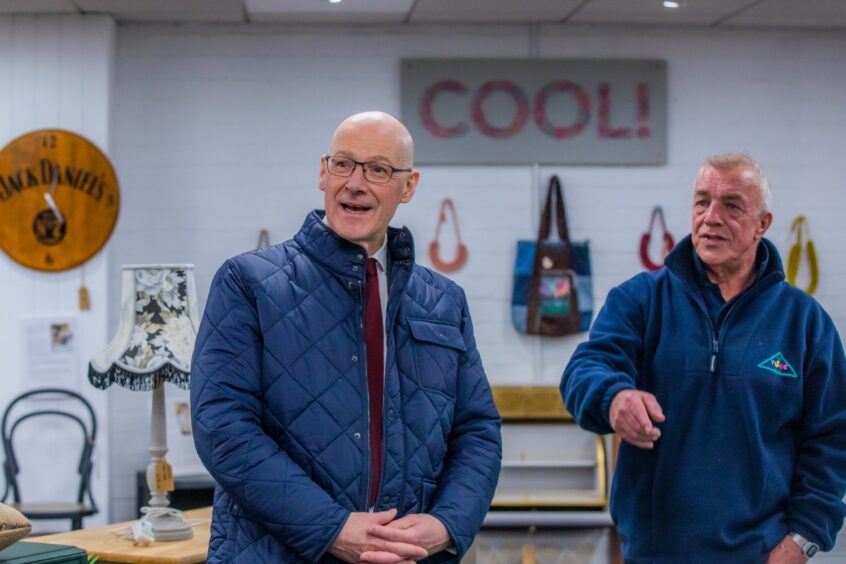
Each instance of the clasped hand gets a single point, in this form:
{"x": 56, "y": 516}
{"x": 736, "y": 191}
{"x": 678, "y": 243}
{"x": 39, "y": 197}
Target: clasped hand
{"x": 376, "y": 538}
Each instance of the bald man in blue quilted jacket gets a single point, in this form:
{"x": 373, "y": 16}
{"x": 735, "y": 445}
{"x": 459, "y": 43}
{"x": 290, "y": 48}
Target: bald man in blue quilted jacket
{"x": 338, "y": 397}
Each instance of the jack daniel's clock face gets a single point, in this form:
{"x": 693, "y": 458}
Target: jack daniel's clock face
{"x": 59, "y": 200}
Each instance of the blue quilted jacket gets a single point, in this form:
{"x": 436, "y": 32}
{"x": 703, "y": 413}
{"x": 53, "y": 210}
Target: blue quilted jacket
{"x": 280, "y": 403}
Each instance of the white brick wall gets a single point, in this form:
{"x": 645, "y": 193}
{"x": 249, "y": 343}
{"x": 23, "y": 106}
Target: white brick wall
{"x": 57, "y": 72}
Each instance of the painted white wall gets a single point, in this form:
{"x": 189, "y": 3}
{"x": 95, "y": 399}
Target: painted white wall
{"x": 218, "y": 132}
{"x": 57, "y": 73}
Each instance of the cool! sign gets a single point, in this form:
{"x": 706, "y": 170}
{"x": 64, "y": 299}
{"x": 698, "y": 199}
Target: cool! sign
{"x": 514, "y": 111}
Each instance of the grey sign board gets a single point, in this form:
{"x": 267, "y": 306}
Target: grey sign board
{"x": 514, "y": 111}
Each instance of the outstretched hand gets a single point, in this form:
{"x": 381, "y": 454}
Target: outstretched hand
{"x": 632, "y": 415}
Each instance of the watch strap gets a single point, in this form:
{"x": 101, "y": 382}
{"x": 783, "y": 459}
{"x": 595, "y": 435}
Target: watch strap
{"x": 808, "y": 548}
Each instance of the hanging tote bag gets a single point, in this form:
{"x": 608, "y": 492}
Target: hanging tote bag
{"x": 552, "y": 293}
{"x": 646, "y": 238}
{"x": 795, "y": 257}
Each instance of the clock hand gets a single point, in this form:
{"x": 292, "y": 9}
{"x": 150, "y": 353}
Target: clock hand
{"x": 49, "y": 197}
{"x": 52, "y": 205}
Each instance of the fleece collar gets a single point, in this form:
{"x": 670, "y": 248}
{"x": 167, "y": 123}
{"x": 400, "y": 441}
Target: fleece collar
{"x": 681, "y": 263}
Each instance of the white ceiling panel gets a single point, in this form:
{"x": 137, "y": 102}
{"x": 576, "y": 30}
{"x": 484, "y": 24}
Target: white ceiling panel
{"x": 493, "y": 11}
{"x": 691, "y": 12}
{"x": 793, "y": 13}
{"x": 321, "y": 11}
{"x": 37, "y": 7}
{"x": 167, "y": 10}
{"x": 796, "y": 14}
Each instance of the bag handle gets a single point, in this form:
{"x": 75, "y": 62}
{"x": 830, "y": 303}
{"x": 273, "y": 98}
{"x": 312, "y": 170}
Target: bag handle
{"x": 435, "y": 247}
{"x": 542, "y": 262}
{"x": 646, "y": 238}
{"x": 560, "y": 214}
{"x": 447, "y": 205}
{"x": 799, "y": 225}
{"x": 658, "y": 212}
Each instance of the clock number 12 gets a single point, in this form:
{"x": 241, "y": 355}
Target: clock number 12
{"x": 48, "y": 141}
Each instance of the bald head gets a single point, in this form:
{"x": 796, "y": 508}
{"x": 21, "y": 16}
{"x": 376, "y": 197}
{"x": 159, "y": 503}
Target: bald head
{"x": 359, "y": 207}
{"x": 382, "y": 129}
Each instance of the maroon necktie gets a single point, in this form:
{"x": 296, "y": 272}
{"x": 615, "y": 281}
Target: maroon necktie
{"x": 374, "y": 335}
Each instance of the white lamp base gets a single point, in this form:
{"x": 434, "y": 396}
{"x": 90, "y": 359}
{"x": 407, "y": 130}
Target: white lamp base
{"x": 161, "y": 522}
{"x": 166, "y": 524}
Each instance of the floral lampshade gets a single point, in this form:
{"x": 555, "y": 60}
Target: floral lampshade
{"x": 153, "y": 345}
{"x": 155, "y": 338}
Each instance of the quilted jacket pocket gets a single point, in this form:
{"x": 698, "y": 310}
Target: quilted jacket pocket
{"x": 437, "y": 350}
{"x": 438, "y": 332}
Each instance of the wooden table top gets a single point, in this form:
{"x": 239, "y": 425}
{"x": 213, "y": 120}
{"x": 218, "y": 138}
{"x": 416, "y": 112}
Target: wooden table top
{"x": 112, "y": 548}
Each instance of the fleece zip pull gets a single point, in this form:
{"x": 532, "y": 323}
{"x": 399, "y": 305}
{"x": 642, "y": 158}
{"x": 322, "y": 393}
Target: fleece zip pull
{"x": 714, "y": 350}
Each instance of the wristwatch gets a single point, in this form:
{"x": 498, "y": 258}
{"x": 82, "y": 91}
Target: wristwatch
{"x": 808, "y": 548}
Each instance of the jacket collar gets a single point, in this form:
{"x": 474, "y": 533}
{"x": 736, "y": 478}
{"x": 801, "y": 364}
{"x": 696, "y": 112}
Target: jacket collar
{"x": 680, "y": 262}
{"x": 340, "y": 256}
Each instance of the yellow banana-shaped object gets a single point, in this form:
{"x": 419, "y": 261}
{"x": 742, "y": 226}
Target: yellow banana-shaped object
{"x": 795, "y": 256}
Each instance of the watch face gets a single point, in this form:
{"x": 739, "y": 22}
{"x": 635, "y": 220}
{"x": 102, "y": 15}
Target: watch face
{"x": 59, "y": 200}
{"x": 811, "y": 549}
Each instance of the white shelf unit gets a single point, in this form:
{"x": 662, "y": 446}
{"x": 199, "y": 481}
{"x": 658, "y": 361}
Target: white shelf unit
{"x": 548, "y": 462}
{"x": 551, "y": 465}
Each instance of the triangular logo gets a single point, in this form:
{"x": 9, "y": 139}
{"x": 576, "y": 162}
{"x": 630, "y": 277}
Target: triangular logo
{"x": 779, "y": 365}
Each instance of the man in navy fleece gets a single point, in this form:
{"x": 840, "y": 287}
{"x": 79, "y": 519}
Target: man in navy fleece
{"x": 728, "y": 388}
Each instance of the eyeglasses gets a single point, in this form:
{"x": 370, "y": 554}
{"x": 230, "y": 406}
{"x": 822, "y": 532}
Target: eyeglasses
{"x": 379, "y": 173}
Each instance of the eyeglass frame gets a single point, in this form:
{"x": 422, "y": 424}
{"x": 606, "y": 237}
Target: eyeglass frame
{"x": 356, "y": 163}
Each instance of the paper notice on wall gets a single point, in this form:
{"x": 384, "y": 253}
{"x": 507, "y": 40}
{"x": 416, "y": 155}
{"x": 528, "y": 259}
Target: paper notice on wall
{"x": 51, "y": 352}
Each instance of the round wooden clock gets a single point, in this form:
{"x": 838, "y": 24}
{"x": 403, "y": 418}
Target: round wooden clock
{"x": 59, "y": 200}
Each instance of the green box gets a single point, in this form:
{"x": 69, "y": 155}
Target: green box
{"x": 24, "y": 552}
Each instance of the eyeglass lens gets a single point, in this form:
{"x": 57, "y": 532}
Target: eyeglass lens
{"x": 374, "y": 172}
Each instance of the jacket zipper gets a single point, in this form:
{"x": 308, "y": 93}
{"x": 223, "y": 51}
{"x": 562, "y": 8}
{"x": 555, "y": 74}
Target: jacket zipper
{"x": 390, "y": 313}
{"x": 384, "y": 396}
{"x": 693, "y": 291}
{"x": 384, "y": 387}
{"x": 363, "y": 371}
{"x": 714, "y": 351}
{"x": 712, "y": 331}
{"x": 384, "y": 434}
{"x": 718, "y": 331}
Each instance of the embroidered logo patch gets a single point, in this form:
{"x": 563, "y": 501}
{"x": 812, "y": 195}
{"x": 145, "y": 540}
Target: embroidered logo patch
{"x": 779, "y": 365}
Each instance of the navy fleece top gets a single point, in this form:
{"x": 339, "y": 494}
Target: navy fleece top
{"x": 754, "y": 443}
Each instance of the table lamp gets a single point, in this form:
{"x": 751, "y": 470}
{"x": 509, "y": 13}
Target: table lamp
{"x": 153, "y": 345}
